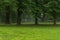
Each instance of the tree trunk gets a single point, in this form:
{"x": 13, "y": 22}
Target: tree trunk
{"x": 36, "y": 19}
{"x": 54, "y": 21}
{"x": 36, "y": 12}
{"x": 7, "y": 14}
{"x": 19, "y": 14}
{"x": 54, "y": 17}
{"x": 19, "y": 11}
{"x": 7, "y": 18}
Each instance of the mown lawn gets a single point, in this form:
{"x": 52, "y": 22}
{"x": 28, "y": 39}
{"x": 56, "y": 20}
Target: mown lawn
{"x": 29, "y": 33}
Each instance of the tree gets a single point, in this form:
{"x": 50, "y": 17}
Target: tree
{"x": 53, "y": 9}
{"x": 19, "y": 11}
{"x": 7, "y": 14}
{"x": 36, "y": 12}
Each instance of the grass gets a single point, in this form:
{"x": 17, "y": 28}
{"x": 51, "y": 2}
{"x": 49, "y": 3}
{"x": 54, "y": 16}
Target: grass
{"x": 29, "y": 33}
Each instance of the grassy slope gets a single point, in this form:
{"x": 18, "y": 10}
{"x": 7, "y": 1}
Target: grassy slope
{"x": 29, "y": 33}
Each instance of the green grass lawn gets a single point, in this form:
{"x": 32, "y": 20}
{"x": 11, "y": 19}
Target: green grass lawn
{"x": 29, "y": 33}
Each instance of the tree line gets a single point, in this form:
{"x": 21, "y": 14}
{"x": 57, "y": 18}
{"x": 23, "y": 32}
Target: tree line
{"x": 37, "y": 8}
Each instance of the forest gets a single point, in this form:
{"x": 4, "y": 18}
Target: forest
{"x": 29, "y": 11}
